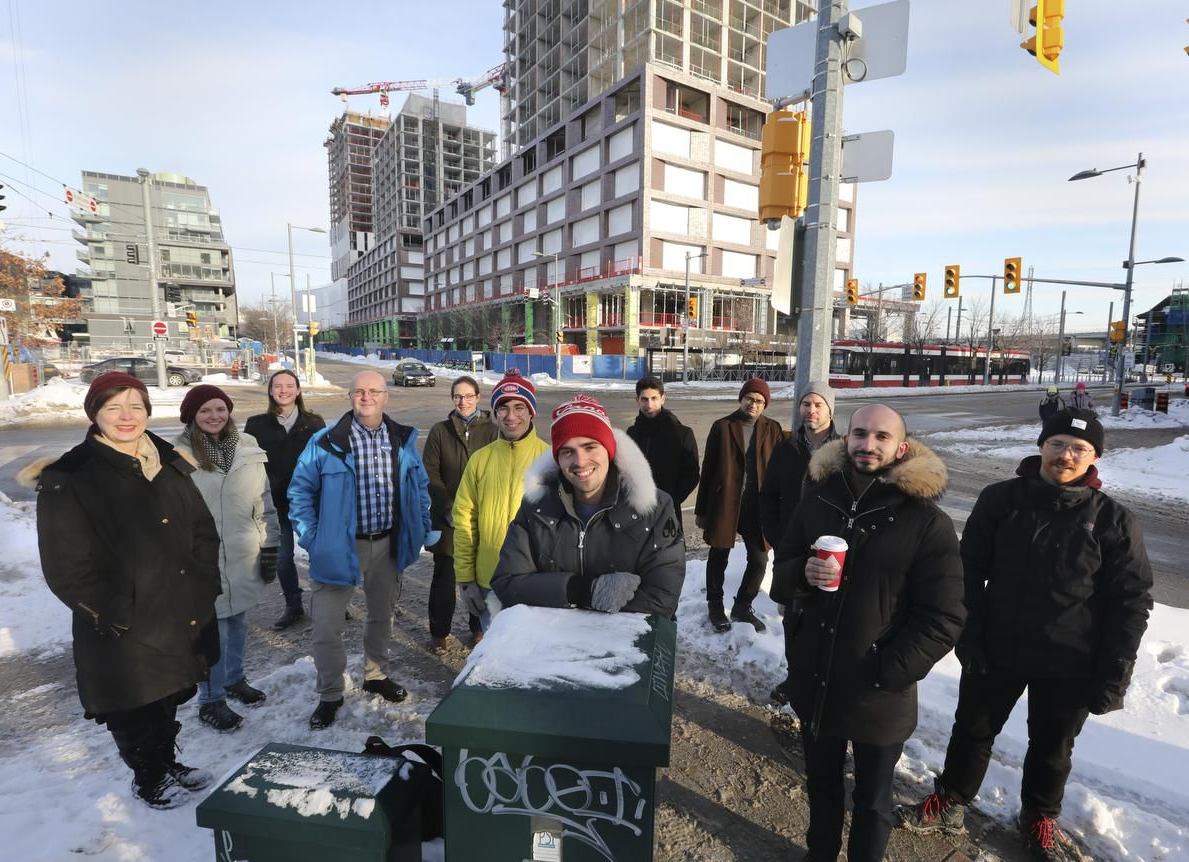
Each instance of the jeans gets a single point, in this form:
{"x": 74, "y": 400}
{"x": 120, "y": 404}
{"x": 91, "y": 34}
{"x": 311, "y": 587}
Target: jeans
{"x": 229, "y": 669}
{"x": 871, "y": 820}
{"x": 286, "y": 568}
{"x": 443, "y": 598}
{"x": 1056, "y": 712}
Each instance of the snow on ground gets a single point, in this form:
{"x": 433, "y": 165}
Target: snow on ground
{"x": 1128, "y": 797}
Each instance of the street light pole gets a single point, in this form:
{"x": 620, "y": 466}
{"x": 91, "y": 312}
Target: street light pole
{"x": 151, "y": 250}
{"x": 1060, "y": 344}
{"x": 1139, "y": 166}
{"x": 685, "y": 317}
{"x": 293, "y": 293}
{"x": 557, "y": 317}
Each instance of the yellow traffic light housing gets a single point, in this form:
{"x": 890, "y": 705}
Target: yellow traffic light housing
{"x": 953, "y": 274}
{"x": 918, "y": 287}
{"x": 192, "y": 319}
{"x": 1046, "y": 44}
{"x": 561, "y": 337}
{"x": 313, "y": 328}
{"x": 784, "y": 188}
{"x": 1118, "y": 334}
{"x": 1011, "y": 275}
{"x": 691, "y": 309}
{"x": 852, "y": 291}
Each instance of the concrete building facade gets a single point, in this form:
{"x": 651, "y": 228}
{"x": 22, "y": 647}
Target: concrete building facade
{"x": 349, "y": 146}
{"x": 194, "y": 264}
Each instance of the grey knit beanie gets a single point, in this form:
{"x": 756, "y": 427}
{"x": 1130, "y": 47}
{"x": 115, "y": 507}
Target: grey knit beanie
{"x": 822, "y": 389}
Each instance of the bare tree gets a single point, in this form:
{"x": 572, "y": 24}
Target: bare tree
{"x": 270, "y": 323}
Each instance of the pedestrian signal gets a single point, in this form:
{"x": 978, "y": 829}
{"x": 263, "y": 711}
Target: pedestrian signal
{"x": 192, "y": 319}
{"x": 784, "y": 151}
{"x": 1118, "y": 333}
{"x": 852, "y": 291}
{"x": 1011, "y": 275}
{"x": 953, "y": 275}
{"x": 918, "y": 287}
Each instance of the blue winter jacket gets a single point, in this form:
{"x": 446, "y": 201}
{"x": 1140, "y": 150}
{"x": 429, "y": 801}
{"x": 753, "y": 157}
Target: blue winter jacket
{"x": 322, "y": 502}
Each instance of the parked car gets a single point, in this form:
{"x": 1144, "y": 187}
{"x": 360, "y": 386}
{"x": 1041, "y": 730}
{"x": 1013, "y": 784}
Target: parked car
{"x": 142, "y": 369}
{"x": 410, "y": 372}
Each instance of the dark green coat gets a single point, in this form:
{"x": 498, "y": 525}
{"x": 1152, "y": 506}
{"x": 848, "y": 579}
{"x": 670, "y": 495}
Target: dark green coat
{"x": 449, "y": 446}
{"x": 141, "y": 554}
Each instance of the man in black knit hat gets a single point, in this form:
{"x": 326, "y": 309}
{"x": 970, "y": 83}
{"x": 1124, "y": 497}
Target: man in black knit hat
{"x": 1057, "y": 594}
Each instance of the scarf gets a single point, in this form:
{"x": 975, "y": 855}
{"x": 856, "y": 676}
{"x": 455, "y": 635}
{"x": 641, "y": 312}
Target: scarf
{"x": 220, "y": 452}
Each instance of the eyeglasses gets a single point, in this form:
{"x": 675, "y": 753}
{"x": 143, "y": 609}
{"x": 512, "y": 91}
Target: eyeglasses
{"x": 464, "y": 397}
{"x": 376, "y": 394}
{"x": 1056, "y": 447}
{"x": 753, "y": 401}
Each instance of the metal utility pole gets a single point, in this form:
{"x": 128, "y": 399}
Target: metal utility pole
{"x": 293, "y": 298}
{"x": 1060, "y": 344}
{"x": 1119, "y": 364}
{"x": 158, "y": 343}
{"x": 990, "y": 334}
{"x": 685, "y": 317}
{"x": 816, "y": 325}
{"x": 310, "y": 370}
{"x": 1106, "y": 356}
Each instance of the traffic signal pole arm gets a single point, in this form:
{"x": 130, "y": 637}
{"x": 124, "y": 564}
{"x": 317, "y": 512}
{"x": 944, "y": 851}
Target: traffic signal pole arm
{"x": 1106, "y": 284}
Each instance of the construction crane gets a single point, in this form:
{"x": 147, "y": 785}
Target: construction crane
{"x": 465, "y": 87}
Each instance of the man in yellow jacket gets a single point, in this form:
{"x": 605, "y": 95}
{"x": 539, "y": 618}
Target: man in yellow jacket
{"x": 490, "y": 492}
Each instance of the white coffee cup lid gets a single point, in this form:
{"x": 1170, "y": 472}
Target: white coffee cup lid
{"x": 830, "y": 543}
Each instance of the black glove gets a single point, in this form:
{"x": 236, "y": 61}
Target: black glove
{"x": 610, "y": 592}
{"x": 103, "y": 622}
{"x": 1106, "y": 695}
{"x": 970, "y": 654}
{"x": 268, "y": 565}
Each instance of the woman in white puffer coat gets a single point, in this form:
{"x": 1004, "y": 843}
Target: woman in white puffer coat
{"x": 232, "y": 480}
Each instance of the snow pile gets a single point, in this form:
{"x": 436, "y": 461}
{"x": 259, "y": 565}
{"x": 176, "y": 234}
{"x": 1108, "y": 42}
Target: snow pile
{"x": 550, "y": 647}
{"x": 57, "y": 397}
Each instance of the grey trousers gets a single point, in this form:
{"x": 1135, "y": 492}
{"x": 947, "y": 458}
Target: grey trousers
{"x": 328, "y": 604}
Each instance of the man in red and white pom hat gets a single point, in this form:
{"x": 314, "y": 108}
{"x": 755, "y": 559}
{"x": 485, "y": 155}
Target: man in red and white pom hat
{"x": 593, "y": 531}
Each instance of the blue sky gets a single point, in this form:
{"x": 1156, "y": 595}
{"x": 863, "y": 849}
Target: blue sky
{"x": 236, "y": 95}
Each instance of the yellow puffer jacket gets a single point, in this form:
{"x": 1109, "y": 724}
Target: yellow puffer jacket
{"x": 488, "y": 499}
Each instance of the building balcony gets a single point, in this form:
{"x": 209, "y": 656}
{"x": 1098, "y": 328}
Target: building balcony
{"x": 83, "y": 254}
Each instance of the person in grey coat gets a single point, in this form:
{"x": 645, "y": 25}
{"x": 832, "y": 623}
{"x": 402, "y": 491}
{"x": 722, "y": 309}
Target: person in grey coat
{"x": 593, "y": 531}
{"x": 232, "y": 480}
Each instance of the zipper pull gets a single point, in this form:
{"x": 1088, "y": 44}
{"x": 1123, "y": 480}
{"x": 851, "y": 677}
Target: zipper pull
{"x": 581, "y": 539}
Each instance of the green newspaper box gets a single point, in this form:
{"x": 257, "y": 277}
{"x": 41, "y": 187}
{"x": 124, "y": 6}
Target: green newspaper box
{"x": 552, "y": 735}
{"x": 290, "y": 803}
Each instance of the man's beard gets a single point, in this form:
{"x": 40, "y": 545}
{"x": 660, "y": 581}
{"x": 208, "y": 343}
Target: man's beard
{"x": 867, "y": 469}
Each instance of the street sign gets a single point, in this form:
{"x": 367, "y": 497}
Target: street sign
{"x": 759, "y": 281}
{"x": 8, "y": 305}
{"x": 160, "y": 329}
{"x": 867, "y": 157}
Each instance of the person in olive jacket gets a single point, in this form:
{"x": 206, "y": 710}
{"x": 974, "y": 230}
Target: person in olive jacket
{"x": 1058, "y": 588}
{"x": 668, "y": 445}
{"x": 448, "y": 447}
{"x": 283, "y": 433}
{"x": 128, "y": 544}
{"x": 736, "y": 457}
{"x": 861, "y": 650}
{"x": 594, "y": 531}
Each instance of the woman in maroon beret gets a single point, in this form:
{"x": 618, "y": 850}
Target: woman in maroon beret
{"x": 128, "y": 544}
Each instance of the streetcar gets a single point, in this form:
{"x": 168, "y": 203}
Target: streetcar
{"x": 861, "y": 363}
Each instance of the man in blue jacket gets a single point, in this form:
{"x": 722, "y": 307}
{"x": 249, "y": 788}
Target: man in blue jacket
{"x": 361, "y": 478}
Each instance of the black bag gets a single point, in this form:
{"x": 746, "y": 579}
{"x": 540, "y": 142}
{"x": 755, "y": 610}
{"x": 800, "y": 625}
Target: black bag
{"x": 431, "y": 797}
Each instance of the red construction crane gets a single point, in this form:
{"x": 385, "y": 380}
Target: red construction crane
{"x": 465, "y": 87}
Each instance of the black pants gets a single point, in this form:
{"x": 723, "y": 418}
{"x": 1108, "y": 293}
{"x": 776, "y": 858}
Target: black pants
{"x": 1056, "y": 712}
{"x": 442, "y": 598}
{"x": 757, "y": 559}
{"x": 871, "y": 819}
{"x": 145, "y": 735}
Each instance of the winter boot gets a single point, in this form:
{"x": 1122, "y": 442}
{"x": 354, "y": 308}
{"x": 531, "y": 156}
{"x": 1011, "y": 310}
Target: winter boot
{"x": 747, "y": 615}
{"x": 718, "y": 617}
{"x": 245, "y": 693}
{"x": 220, "y": 716}
{"x": 142, "y": 747}
{"x": 1047, "y": 842}
{"x": 937, "y": 812}
{"x": 156, "y": 788}
{"x": 187, "y": 776}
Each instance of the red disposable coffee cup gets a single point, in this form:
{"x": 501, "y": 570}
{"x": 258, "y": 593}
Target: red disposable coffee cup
{"x": 831, "y": 546}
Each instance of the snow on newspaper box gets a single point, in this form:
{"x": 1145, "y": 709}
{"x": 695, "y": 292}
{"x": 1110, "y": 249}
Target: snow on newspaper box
{"x": 290, "y": 803}
{"x": 552, "y": 735}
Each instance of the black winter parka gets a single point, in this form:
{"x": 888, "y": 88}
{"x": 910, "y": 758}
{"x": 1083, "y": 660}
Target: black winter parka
{"x": 1058, "y": 583}
{"x": 860, "y": 651}
{"x": 448, "y": 447}
{"x": 637, "y": 532}
{"x": 672, "y": 452}
{"x": 784, "y": 480}
{"x": 283, "y": 449}
{"x": 140, "y": 554}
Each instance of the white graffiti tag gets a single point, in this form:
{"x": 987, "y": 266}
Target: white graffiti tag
{"x": 580, "y": 799}
{"x": 662, "y": 671}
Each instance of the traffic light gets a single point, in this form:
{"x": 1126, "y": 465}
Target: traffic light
{"x": 561, "y": 337}
{"x": 918, "y": 287}
{"x": 1118, "y": 334}
{"x": 691, "y": 309}
{"x": 2, "y": 206}
{"x": 173, "y": 293}
{"x": 953, "y": 274}
{"x": 192, "y": 319}
{"x": 313, "y": 328}
{"x": 784, "y": 188}
{"x": 1067, "y": 346}
{"x": 1049, "y": 39}
{"x": 132, "y": 253}
{"x": 1011, "y": 275}
{"x": 852, "y": 291}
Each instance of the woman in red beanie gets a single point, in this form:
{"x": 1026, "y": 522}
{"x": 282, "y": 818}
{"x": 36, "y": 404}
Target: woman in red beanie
{"x": 232, "y": 479}
{"x": 128, "y": 544}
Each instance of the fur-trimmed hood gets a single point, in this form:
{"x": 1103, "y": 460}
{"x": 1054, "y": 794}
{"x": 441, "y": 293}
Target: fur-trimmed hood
{"x": 30, "y": 474}
{"x": 635, "y": 475}
{"x": 920, "y": 473}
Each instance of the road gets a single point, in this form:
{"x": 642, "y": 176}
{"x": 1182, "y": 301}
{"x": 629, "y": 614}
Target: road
{"x": 1164, "y": 523}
